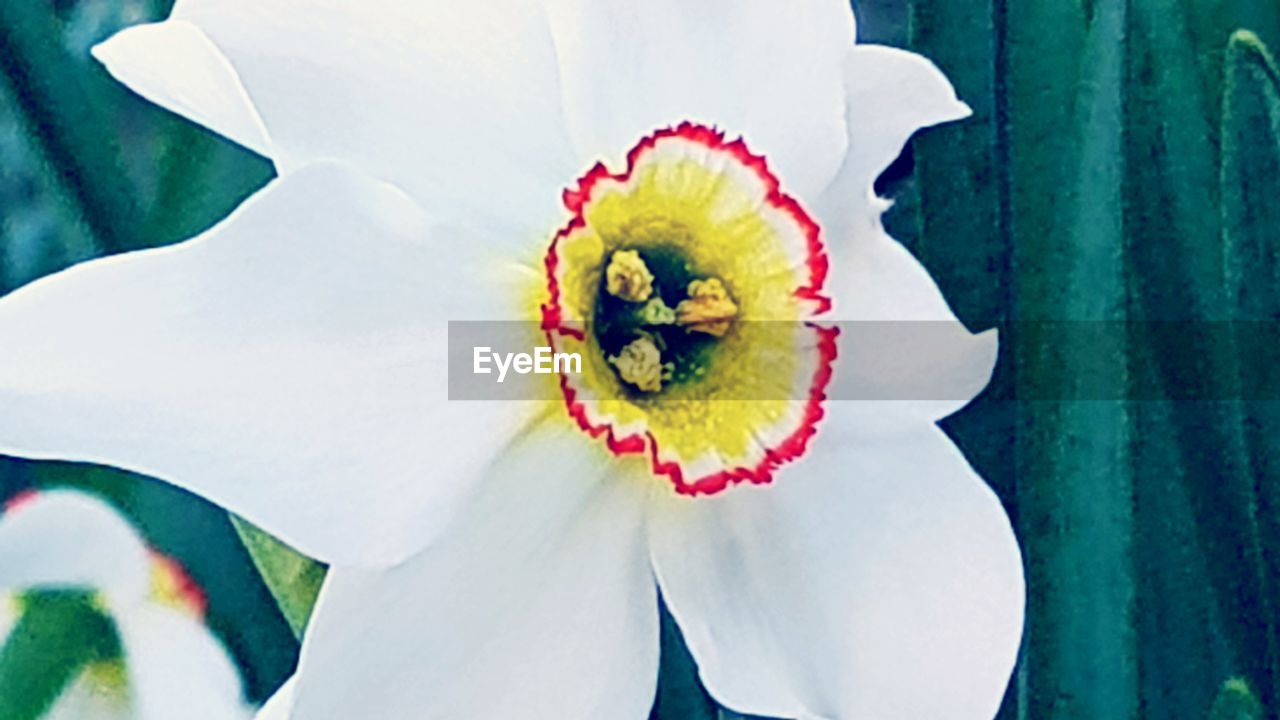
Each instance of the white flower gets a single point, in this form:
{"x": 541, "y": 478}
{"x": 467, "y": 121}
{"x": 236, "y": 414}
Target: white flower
{"x": 170, "y": 665}
{"x": 824, "y": 559}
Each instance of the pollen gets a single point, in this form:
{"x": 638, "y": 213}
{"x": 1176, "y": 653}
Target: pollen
{"x": 709, "y": 308}
{"x": 628, "y": 278}
{"x": 640, "y": 364}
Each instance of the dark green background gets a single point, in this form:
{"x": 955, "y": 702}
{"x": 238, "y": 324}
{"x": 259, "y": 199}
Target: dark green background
{"x": 1123, "y": 164}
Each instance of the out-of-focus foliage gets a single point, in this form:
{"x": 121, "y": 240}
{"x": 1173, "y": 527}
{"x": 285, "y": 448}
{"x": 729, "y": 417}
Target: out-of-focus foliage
{"x": 1250, "y": 224}
{"x": 1075, "y": 491}
{"x": 58, "y": 634}
{"x": 1100, "y": 179}
{"x": 1236, "y": 702}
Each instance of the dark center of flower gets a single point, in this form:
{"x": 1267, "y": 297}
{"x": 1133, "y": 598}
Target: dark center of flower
{"x": 658, "y": 320}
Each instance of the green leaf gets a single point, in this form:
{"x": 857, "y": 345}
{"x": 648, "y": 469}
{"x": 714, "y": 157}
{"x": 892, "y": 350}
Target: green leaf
{"x": 293, "y": 578}
{"x": 57, "y": 635}
{"x": 1065, "y": 73}
{"x": 1092, "y": 161}
{"x": 63, "y": 105}
{"x": 1209, "y": 609}
{"x": 961, "y": 175}
{"x": 1251, "y": 178}
{"x": 1250, "y": 186}
{"x": 1236, "y": 702}
{"x": 680, "y": 693}
{"x": 1171, "y": 223}
{"x": 201, "y": 178}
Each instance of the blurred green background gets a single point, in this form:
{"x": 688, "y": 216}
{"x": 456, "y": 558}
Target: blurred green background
{"x": 1123, "y": 164}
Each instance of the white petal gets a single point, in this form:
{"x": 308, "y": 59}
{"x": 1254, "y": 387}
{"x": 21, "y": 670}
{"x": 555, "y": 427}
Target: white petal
{"x": 289, "y": 365}
{"x": 87, "y": 698}
{"x": 539, "y": 604}
{"x": 175, "y": 65}
{"x": 877, "y": 280}
{"x": 903, "y": 355}
{"x": 71, "y": 540}
{"x": 879, "y": 581}
{"x": 456, "y": 103}
{"x": 770, "y": 71}
{"x": 901, "y": 371}
{"x": 176, "y": 668}
{"x": 280, "y": 705}
{"x": 892, "y": 94}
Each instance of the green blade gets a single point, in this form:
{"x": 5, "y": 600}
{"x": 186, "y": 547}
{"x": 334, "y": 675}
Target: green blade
{"x": 1250, "y": 186}
{"x": 1065, "y": 72}
{"x": 1207, "y": 609}
{"x": 293, "y": 578}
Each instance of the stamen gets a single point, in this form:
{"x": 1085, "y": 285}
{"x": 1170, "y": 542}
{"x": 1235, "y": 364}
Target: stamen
{"x": 709, "y": 308}
{"x": 628, "y": 278}
{"x": 640, "y": 364}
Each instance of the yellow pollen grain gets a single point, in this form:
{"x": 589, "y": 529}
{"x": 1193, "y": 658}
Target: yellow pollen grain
{"x": 709, "y": 308}
{"x": 640, "y": 365}
{"x": 628, "y": 278}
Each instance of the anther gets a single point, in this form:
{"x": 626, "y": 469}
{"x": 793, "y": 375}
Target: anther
{"x": 628, "y": 278}
{"x": 640, "y": 364}
{"x": 709, "y": 308}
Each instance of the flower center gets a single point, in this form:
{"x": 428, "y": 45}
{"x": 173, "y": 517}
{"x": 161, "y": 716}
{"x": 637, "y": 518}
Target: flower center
{"x": 689, "y": 284}
{"x": 657, "y": 329}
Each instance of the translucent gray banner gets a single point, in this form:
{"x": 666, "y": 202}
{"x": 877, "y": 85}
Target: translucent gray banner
{"x": 925, "y": 361}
